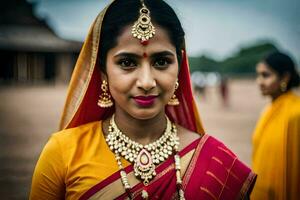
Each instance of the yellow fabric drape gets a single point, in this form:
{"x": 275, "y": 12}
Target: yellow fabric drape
{"x": 82, "y": 73}
{"x": 276, "y": 150}
{"x": 73, "y": 161}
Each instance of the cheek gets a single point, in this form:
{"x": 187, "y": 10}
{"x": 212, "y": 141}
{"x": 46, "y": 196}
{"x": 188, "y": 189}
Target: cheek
{"x": 120, "y": 85}
{"x": 117, "y": 81}
{"x": 167, "y": 82}
{"x": 272, "y": 83}
{"x": 119, "y": 91}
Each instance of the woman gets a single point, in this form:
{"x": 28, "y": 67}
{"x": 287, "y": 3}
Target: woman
{"x": 149, "y": 142}
{"x": 276, "y": 139}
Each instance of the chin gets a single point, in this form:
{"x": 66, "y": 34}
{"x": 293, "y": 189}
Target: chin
{"x": 145, "y": 114}
{"x": 264, "y": 93}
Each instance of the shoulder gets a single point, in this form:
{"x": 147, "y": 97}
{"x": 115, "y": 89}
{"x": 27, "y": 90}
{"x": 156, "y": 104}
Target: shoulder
{"x": 71, "y": 135}
{"x": 218, "y": 147}
{"x": 186, "y": 136}
{"x": 294, "y": 106}
{"x": 295, "y": 96}
{"x": 67, "y": 142}
{"x": 64, "y": 140}
{"x": 64, "y": 144}
{"x": 296, "y": 91}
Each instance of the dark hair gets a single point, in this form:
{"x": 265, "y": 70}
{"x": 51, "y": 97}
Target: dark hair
{"x": 125, "y": 12}
{"x": 282, "y": 64}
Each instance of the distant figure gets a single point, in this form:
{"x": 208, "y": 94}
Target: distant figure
{"x": 224, "y": 91}
{"x": 276, "y": 139}
{"x": 199, "y": 84}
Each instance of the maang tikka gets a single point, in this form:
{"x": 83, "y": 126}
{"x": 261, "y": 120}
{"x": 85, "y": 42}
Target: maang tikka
{"x": 143, "y": 28}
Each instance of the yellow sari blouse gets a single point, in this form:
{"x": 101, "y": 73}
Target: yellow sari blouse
{"x": 276, "y": 150}
{"x": 73, "y": 160}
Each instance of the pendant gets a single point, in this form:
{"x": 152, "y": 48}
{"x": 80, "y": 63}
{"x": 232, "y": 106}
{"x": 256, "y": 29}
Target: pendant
{"x": 144, "y": 166}
{"x": 145, "y": 194}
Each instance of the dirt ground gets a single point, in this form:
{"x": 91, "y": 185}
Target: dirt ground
{"x": 29, "y": 114}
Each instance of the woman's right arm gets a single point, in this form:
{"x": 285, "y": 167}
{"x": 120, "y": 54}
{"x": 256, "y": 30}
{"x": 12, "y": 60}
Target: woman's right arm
{"x": 49, "y": 173}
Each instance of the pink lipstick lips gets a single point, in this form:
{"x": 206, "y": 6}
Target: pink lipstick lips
{"x": 145, "y": 101}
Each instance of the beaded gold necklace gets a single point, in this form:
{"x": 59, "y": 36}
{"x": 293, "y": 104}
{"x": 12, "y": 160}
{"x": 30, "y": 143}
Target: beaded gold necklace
{"x": 144, "y": 157}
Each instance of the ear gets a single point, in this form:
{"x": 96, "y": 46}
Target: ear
{"x": 286, "y": 77}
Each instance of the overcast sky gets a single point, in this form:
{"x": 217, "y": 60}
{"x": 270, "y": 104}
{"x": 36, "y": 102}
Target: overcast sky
{"x": 215, "y": 27}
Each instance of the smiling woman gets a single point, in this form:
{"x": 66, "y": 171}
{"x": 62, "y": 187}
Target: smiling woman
{"x": 144, "y": 139}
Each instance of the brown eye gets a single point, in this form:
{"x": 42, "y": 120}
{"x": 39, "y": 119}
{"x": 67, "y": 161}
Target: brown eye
{"x": 127, "y": 63}
{"x": 265, "y": 74}
{"x": 162, "y": 62}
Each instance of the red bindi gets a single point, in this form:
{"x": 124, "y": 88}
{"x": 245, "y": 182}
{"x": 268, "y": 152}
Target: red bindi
{"x": 145, "y": 55}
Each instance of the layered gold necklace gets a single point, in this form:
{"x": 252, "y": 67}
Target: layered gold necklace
{"x": 144, "y": 157}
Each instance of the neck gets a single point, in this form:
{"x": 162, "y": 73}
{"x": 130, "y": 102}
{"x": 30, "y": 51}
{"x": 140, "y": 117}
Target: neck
{"x": 143, "y": 131}
{"x": 275, "y": 96}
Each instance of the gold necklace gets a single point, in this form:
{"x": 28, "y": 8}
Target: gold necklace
{"x": 114, "y": 141}
{"x": 144, "y": 157}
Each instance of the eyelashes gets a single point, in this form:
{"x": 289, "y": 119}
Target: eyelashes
{"x": 162, "y": 62}
{"x": 264, "y": 74}
{"x": 158, "y": 62}
{"x": 126, "y": 63}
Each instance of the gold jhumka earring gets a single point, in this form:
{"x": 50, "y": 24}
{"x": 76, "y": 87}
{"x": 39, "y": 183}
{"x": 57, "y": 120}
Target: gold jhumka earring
{"x": 174, "y": 100}
{"x": 105, "y": 98}
{"x": 283, "y": 86}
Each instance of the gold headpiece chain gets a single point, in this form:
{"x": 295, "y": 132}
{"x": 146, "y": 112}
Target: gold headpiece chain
{"x": 143, "y": 29}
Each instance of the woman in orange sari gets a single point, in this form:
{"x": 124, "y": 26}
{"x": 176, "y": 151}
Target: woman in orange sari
{"x": 276, "y": 140}
{"x": 130, "y": 128}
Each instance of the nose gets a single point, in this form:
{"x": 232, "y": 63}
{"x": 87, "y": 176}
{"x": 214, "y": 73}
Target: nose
{"x": 146, "y": 80}
{"x": 259, "y": 80}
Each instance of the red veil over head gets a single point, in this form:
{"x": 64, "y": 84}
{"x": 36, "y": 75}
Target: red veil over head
{"x": 85, "y": 87}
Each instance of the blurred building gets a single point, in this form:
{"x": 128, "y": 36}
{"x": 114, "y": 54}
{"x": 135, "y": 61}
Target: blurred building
{"x": 29, "y": 50}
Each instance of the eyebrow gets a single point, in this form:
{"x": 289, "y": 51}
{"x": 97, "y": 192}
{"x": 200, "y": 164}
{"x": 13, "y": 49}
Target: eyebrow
{"x": 133, "y": 55}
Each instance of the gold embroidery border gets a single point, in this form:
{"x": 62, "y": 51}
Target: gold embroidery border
{"x": 193, "y": 162}
{"x": 82, "y": 74}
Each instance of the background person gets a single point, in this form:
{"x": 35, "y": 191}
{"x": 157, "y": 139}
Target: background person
{"x": 276, "y": 139}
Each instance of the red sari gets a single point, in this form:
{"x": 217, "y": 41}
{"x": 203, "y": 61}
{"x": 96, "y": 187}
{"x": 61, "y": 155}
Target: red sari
{"x": 210, "y": 171}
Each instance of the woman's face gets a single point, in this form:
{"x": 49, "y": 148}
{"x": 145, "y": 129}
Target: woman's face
{"x": 268, "y": 80}
{"x": 142, "y": 78}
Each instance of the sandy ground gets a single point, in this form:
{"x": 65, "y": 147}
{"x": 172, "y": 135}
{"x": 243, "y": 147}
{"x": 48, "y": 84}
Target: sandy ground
{"x": 29, "y": 114}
